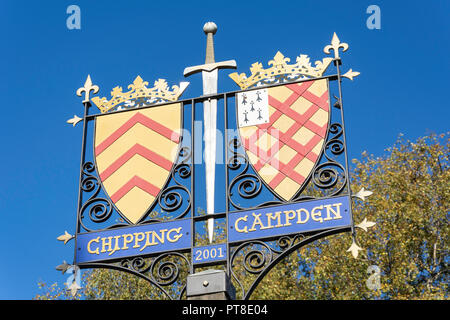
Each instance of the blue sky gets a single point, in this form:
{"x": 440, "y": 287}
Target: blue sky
{"x": 401, "y": 89}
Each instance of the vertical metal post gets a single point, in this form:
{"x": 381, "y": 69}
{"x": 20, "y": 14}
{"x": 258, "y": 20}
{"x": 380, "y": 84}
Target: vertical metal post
{"x": 225, "y": 115}
{"x": 337, "y": 63}
{"x": 192, "y": 183}
{"x": 210, "y": 285}
{"x": 86, "y": 104}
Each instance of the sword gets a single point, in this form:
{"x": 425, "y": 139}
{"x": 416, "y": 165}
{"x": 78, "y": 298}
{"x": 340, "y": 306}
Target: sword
{"x": 209, "y": 77}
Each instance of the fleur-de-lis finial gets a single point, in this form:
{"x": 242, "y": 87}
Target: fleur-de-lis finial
{"x": 88, "y": 87}
{"x": 354, "y": 249}
{"x": 335, "y": 45}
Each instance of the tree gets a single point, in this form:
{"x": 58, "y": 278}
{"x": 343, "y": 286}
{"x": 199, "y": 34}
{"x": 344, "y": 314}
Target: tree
{"x": 409, "y": 243}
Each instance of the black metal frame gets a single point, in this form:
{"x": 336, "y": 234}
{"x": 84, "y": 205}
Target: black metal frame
{"x": 258, "y": 256}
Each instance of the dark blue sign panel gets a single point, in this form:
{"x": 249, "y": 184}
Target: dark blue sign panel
{"x": 211, "y": 253}
{"x": 288, "y": 219}
{"x": 133, "y": 241}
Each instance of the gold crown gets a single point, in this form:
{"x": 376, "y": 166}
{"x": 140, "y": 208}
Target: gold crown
{"x": 159, "y": 93}
{"x": 302, "y": 67}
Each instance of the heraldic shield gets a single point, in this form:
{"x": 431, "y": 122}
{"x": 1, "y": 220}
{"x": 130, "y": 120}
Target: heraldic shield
{"x": 283, "y": 130}
{"x": 134, "y": 152}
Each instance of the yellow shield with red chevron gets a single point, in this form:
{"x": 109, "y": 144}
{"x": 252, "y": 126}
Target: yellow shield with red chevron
{"x": 283, "y": 130}
{"x": 134, "y": 153}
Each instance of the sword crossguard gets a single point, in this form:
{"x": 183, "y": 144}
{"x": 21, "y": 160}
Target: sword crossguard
{"x": 210, "y": 28}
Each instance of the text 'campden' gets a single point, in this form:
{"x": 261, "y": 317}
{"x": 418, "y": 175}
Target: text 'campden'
{"x": 261, "y": 221}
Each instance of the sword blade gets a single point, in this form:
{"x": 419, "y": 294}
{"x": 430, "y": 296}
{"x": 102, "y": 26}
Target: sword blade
{"x": 210, "y": 125}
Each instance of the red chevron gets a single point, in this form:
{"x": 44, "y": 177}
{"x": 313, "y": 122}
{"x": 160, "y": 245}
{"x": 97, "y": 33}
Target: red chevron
{"x": 142, "y": 119}
{"x": 135, "y": 182}
{"x": 140, "y": 150}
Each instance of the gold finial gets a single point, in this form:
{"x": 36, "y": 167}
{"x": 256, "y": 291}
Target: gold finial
{"x": 160, "y": 92}
{"x": 280, "y": 66}
{"x": 350, "y": 74}
{"x": 66, "y": 237}
{"x": 354, "y": 249}
{"x": 335, "y": 45}
{"x": 73, "y": 121}
{"x": 88, "y": 87}
{"x": 365, "y": 224}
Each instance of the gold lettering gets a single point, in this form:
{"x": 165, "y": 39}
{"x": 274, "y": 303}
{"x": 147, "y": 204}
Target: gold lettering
{"x": 176, "y": 237}
{"x": 236, "y": 224}
{"x": 89, "y": 245}
{"x": 127, "y": 238}
{"x": 147, "y": 242}
{"x": 317, "y": 216}
{"x": 106, "y": 244}
{"x": 160, "y": 238}
{"x": 257, "y": 221}
{"x": 336, "y": 213}
{"x": 116, "y": 245}
{"x": 271, "y": 216}
{"x": 290, "y": 215}
{"x": 138, "y": 237}
{"x": 299, "y": 213}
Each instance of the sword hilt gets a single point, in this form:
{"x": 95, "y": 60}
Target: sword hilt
{"x": 210, "y": 29}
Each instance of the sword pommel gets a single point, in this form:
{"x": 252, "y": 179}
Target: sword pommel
{"x": 210, "y": 28}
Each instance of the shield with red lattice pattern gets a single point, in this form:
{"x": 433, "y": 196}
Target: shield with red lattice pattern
{"x": 283, "y": 130}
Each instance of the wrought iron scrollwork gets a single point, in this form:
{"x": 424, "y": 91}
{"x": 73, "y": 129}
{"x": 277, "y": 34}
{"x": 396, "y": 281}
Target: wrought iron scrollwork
{"x": 334, "y": 145}
{"x": 165, "y": 271}
{"x": 248, "y": 185}
{"x": 137, "y": 264}
{"x": 257, "y": 258}
{"x": 326, "y": 175}
{"x": 171, "y": 199}
{"x": 99, "y": 209}
{"x": 177, "y": 197}
{"x": 330, "y": 176}
{"x": 266, "y": 257}
{"x": 245, "y": 184}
